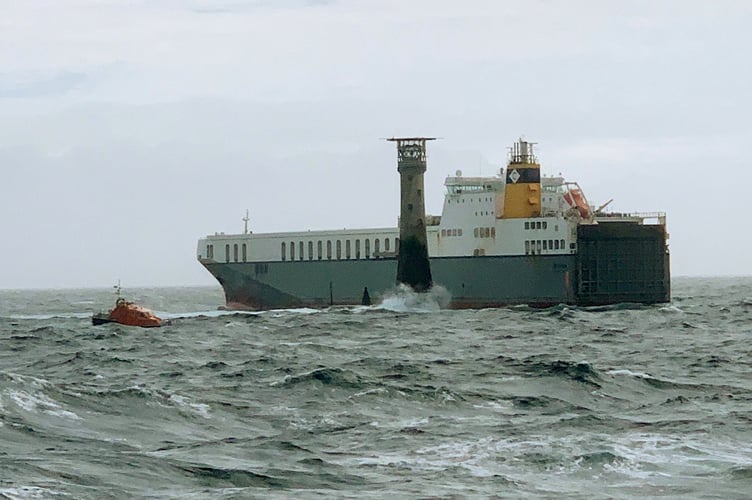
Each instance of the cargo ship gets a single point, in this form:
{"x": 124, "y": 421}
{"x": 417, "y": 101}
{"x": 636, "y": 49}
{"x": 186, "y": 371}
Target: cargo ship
{"x": 513, "y": 238}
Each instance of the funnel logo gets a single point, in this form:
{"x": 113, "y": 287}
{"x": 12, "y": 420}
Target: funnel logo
{"x": 514, "y": 176}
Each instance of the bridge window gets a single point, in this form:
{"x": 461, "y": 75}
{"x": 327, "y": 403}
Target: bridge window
{"x": 357, "y": 249}
{"x": 227, "y": 253}
{"x": 284, "y": 251}
{"x": 347, "y": 249}
{"x": 376, "y": 246}
{"x": 300, "y": 248}
{"x": 556, "y": 244}
{"x": 235, "y": 252}
{"x": 339, "y": 249}
{"x": 538, "y": 246}
{"x": 245, "y": 253}
{"x": 310, "y": 250}
{"x": 386, "y": 244}
{"x": 292, "y": 250}
{"x": 545, "y": 245}
{"x": 527, "y": 247}
{"x": 209, "y": 251}
{"x": 318, "y": 250}
{"x": 368, "y": 248}
{"x": 329, "y": 249}
{"x": 396, "y": 245}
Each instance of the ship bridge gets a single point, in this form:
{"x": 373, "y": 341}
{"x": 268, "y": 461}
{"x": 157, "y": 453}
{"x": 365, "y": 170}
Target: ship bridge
{"x": 459, "y": 184}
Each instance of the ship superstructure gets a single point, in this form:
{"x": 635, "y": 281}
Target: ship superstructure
{"x": 513, "y": 238}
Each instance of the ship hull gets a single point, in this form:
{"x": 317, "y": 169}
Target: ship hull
{"x": 470, "y": 282}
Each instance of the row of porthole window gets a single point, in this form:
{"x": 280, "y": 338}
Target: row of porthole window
{"x": 451, "y": 232}
{"x": 538, "y": 246}
{"x": 484, "y": 232}
{"x": 288, "y": 251}
{"x": 536, "y": 225}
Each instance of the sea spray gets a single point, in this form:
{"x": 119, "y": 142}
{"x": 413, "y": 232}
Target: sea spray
{"x": 404, "y": 299}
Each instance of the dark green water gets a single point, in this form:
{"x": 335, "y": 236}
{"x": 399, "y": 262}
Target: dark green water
{"x": 378, "y": 402}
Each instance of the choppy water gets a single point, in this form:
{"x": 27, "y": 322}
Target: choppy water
{"x": 395, "y": 401}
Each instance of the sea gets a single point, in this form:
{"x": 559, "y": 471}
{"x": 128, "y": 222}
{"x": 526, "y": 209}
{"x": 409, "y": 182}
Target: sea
{"x": 401, "y": 399}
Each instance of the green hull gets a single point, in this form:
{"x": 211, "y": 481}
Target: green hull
{"x": 471, "y": 282}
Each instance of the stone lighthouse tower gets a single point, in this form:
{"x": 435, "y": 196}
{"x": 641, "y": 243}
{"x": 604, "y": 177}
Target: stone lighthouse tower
{"x": 413, "y": 267}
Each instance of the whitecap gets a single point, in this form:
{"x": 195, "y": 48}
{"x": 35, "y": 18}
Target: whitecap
{"x": 404, "y": 299}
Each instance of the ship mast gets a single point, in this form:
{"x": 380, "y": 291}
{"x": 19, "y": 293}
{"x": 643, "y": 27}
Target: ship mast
{"x": 245, "y": 222}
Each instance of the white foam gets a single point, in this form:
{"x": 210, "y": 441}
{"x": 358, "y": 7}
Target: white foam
{"x": 19, "y": 492}
{"x": 630, "y": 373}
{"x": 34, "y": 402}
{"x": 404, "y": 299}
{"x": 200, "y": 409}
{"x": 671, "y": 309}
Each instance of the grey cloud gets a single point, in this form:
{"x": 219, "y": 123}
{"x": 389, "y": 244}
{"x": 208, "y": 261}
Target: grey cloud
{"x": 55, "y": 85}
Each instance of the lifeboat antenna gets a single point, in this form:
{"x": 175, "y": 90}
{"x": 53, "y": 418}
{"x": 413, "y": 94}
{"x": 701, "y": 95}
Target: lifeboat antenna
{"x": 245, "y": 222}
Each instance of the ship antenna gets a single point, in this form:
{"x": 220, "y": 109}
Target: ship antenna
{"x": 245, "y": 222}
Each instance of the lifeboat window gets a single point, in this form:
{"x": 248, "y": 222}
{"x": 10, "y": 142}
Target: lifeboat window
{"x": 357, "y": 249}
{"x": 318, "y": 250}
{"x": 368, "y": 248}
{"x": 310, "y": 250}
{"x": 284, "y": 252}
{"x": 300, "y": 249}
{"x": 292, "y": 250}
{"x": 245, "y": 253}
{"x": 386, "y": 244}
{"x": 347, "y": 249}
{"x": 227, "y": 253}
{"x": 376, "y": 246}
{"x": 339, "y": 249}
{"x": 329, "y": 249}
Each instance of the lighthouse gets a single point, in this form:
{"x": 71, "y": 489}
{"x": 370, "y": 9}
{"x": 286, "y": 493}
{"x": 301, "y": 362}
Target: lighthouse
{"x": 413, "y": 268}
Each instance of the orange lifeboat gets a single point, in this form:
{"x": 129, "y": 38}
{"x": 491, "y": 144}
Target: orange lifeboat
{"x": 577, "y": 200}
{"x": 130, "y": 314}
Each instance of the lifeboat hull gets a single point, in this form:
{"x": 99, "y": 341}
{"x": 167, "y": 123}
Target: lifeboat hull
{"x": 129, "y": 314}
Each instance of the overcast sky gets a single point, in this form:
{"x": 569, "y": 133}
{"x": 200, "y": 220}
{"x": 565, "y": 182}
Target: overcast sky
{"x": 129, "y": 129}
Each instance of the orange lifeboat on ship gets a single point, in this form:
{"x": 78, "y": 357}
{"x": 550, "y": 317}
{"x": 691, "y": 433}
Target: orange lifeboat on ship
{"x": 576, "y": 199}
{"x": 128, "y": 313}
